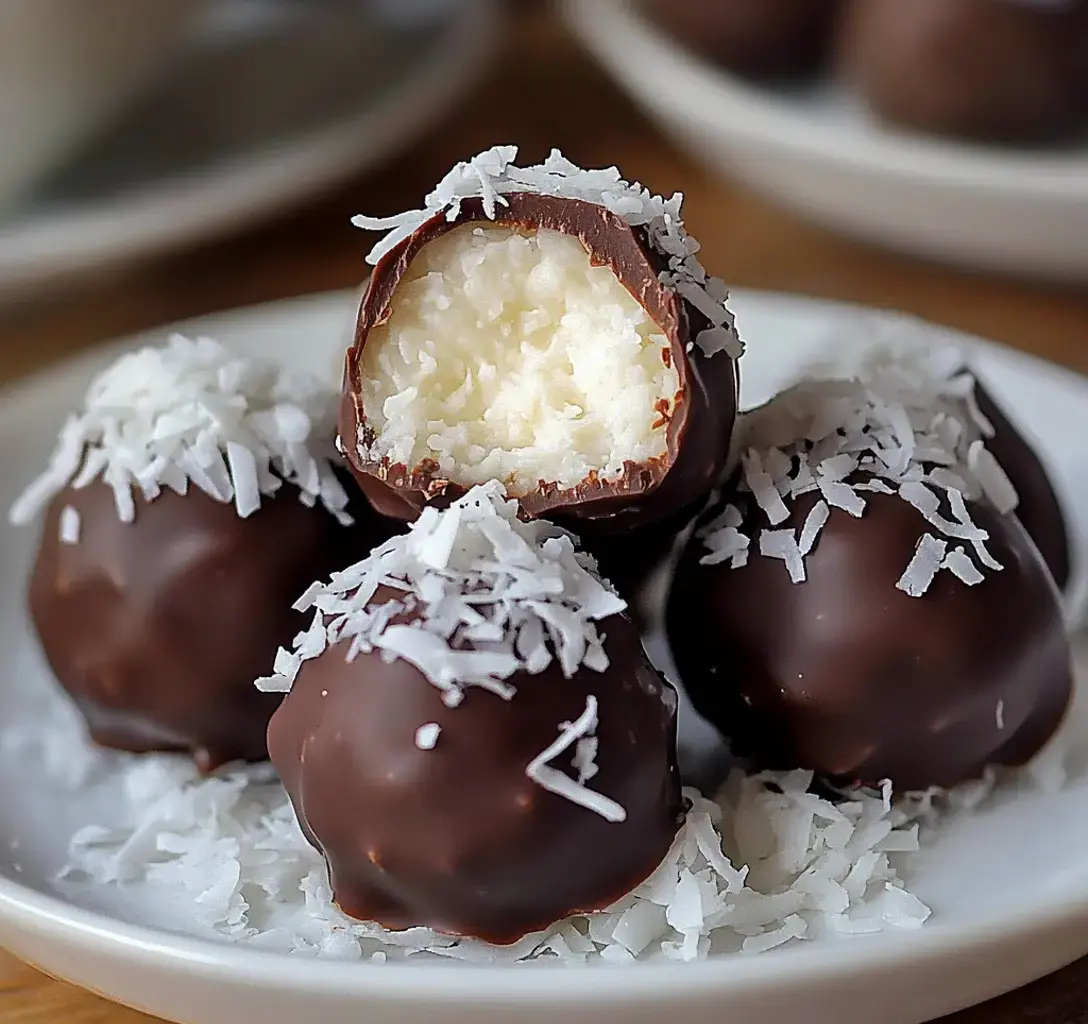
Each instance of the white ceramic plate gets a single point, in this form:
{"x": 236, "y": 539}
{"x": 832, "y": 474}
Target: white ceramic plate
{"x": 1008, "y": 884}
{"x": 818, "y": 152}
{"x": 271, "y": 101}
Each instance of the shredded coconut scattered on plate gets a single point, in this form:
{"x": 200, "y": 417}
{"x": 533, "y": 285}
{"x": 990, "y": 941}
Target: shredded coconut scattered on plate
{"x": 192, "y": 412}
{"x": 491, "y": 175}
{"x": 767, "y": 863}
{"x": 900, "y": 426}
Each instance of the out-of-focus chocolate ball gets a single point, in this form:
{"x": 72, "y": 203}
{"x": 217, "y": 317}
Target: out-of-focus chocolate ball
{"x": 1002, "y": 71}
{"x": 755, "y": 38}
{"x": 847, "y": 675}
{"x": 456, "y": 836}
{"x": 158, "y": 628}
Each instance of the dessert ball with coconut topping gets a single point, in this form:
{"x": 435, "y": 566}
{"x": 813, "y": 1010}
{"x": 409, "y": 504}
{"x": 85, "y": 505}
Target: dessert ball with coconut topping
{"x": 1006, "y": 71}
{"x": 863, "y": 602}
{"x": 186, "y": 507}
{"x": 472, "y": 736}
{"x": 549, "y": 328}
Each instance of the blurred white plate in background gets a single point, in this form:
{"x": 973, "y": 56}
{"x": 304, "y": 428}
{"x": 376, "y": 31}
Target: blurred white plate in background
{"x": 65, "y": 65}
{"x": 817, "y": 152}
{"x": 270, "y": 101}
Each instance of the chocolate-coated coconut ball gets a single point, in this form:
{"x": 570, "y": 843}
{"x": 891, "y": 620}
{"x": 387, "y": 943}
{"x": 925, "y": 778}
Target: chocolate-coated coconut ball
{"x": 1004, "y": 71}
{"x": 863, "y": 604}
{"x": 550, "y": 328}
{"x": 483, "y": 749}
{"x": 189, "y": 506}
{"x": 756, "y": 38}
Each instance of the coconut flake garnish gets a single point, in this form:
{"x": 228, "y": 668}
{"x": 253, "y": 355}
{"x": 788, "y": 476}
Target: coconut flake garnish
{"x": 556, "y": 781}
{"x": 929, "y": 558}
{"x": 192, "y": 412}
{"x": 489, "y": 596}
{"x": 723, "y": 540}
{"x": 900, "y": 426}
{"x": 815, "y": 521}
{"x": 69, "y": 525}
{"x": 492, "y": 175}
{"x": 427, "y": 735}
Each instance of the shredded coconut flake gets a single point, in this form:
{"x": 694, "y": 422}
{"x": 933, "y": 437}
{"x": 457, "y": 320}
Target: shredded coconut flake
{"x": 960, "y": 565}
{"x": 814, "y": 522}
{"x": 783, "y": 544}
{"x": 192, "y": 412}
{"x": 427, "y": 735}
{"x": 492, "y": 175}
{"x": 69, "y": 525}
{"x": 928, "y": 559}
{"x": 556, "y": 781}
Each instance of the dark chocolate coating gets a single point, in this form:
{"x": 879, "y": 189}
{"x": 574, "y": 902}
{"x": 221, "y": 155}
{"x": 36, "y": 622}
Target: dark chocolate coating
{"x": 633, "y": 563}
{"x": 755, "y": 38}
{"x": 992, "y": 70}
{"x": 697, "y": 435}
{"x": 458, "y": 838}
{"x": 848, "y": 676}
{"x": 158, "y": 628}
{"x": 1039, "y": 509}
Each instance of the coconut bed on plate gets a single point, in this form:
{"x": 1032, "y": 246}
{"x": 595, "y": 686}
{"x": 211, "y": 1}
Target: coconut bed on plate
{"x": 764, "y": 863}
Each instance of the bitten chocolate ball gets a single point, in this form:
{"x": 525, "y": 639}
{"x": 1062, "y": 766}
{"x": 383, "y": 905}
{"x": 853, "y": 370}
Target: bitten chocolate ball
{"x": 157, "y": 628}
{"x": 765, "y": 39}
{"x": 187, "y": 508}
{"x": 550, "y": 328}
{"x": 866, "y": 614}
{"x": 1005, "y": 71}
{"x": 501, "y": 810}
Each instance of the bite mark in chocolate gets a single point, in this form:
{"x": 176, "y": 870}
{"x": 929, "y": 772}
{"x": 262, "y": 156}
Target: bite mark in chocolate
{"x": 654, "y": 265}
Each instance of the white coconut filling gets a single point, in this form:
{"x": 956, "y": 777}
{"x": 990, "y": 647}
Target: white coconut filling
{"x": 510, "y": 356}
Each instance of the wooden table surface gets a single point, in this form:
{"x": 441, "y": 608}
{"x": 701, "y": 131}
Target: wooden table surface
{"x": 539, "y": 92}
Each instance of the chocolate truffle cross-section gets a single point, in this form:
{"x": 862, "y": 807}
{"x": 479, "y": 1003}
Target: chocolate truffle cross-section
{"x": 472, "y": 735}
{"x": 549, "y": 328}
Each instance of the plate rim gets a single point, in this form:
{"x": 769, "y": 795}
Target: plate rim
{"x": 26, "y": 908}
{"x": 743, "y": 108}
{"x": 245, "y": 188}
